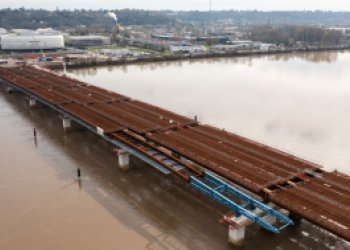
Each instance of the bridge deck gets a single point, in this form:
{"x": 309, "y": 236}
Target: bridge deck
{"x": 300, "y": 186}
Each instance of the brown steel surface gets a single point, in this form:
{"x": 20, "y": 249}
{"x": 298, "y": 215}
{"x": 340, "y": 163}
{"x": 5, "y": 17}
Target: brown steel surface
{"x": 11, "y": 76}
{"x": 258, "y": 149}
{"x": 179, "y": 119}
{"x": 22, "y": 82}
{"x": 219, "y": 162}
{"x": 341, "y": 197}
{"x": 129, "y": 120}
{"x": 111, "y": 95}
{"x": 88, "y": 89}
{"x": 92, "y": 118}
{"x": 336, "y": 187}
{"x": 49, "y": 96}
{"x": 69, "y": 92}
{"x": 158, "y": 121}
{"x": 312, "y": 202}
{"x": 73, "y": 95}
{"x": 237, "y": 153}
{"x": 340, "y": 180}
{"x": 145, "y": 148}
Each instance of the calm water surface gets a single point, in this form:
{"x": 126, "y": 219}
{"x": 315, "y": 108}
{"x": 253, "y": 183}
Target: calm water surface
{"x": 293, "y": 102}
{"x": 298, "y": 103}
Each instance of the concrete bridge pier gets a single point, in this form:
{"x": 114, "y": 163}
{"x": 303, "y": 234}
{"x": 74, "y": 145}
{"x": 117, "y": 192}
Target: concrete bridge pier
{"x": 236, "y": 233}
{"x": 297, "y": 219}
{"x": 32, "y": 102}
{"x": 271, "y": 220}
{"x": 9, "y": 89}
{"x": 123, "y": 160}
{"x": 67, "y": 123}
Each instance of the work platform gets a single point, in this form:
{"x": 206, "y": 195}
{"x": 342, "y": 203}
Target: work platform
{"x": 211, "y": 160}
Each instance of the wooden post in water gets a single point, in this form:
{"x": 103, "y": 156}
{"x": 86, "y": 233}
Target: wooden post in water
{"x": 78, "y": 175}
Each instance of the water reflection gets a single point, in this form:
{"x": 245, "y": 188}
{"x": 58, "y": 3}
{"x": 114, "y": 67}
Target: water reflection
{"x": 315, "y": 57}
{"x": 296, "y": 102}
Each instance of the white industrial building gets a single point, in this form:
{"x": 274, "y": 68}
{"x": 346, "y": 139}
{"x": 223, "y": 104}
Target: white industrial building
{"x": 229, "y": 47}
{"x": 241, "y": 45}
{"x": 2, "y": 31}
{"x": 41, "y": 39}
{"x": 122, "y": 53}
{"x": 188, "y": 48}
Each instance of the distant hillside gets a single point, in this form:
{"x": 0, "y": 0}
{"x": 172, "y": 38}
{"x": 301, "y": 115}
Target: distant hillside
{"x": 272, "y": 17}
{"x": 32, "y": 19}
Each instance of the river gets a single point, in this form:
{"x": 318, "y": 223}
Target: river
{"x": 295, "y": 102}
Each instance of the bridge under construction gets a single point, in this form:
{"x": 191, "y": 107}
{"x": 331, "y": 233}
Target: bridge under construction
{"x": 257, "y": 183}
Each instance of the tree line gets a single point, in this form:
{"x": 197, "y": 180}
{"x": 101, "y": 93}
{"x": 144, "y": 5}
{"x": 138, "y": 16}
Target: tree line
{"x": 60, "y": 19}
{"x": 290, "y": 35}
{"x": 267, "y": 17}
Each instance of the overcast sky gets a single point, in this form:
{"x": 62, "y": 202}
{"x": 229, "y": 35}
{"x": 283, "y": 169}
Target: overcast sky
{"x": 343, "y": 5}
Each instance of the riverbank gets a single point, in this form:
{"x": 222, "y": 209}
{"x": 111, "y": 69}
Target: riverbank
{"x": 90, "y": 62}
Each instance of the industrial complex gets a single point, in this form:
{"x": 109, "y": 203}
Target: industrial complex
{"x": 46, "y": 39}
{"x": 75, "y": 47}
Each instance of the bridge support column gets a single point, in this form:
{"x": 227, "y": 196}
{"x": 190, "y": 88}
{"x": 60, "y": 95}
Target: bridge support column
{"x": 123, "y": 160}
{"x": 236, "y": 234}
{"x": 284, "y": 212}
{"x": 32, "y": 102}
{"x": 67, "y": 123}
{"x": 9, "y": 89}
{"x": 271, "y": 220}
{"x": 295, "y": 218}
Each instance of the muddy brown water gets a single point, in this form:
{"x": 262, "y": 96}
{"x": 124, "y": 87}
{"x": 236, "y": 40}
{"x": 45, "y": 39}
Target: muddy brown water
{"x": 291, "y": 102}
